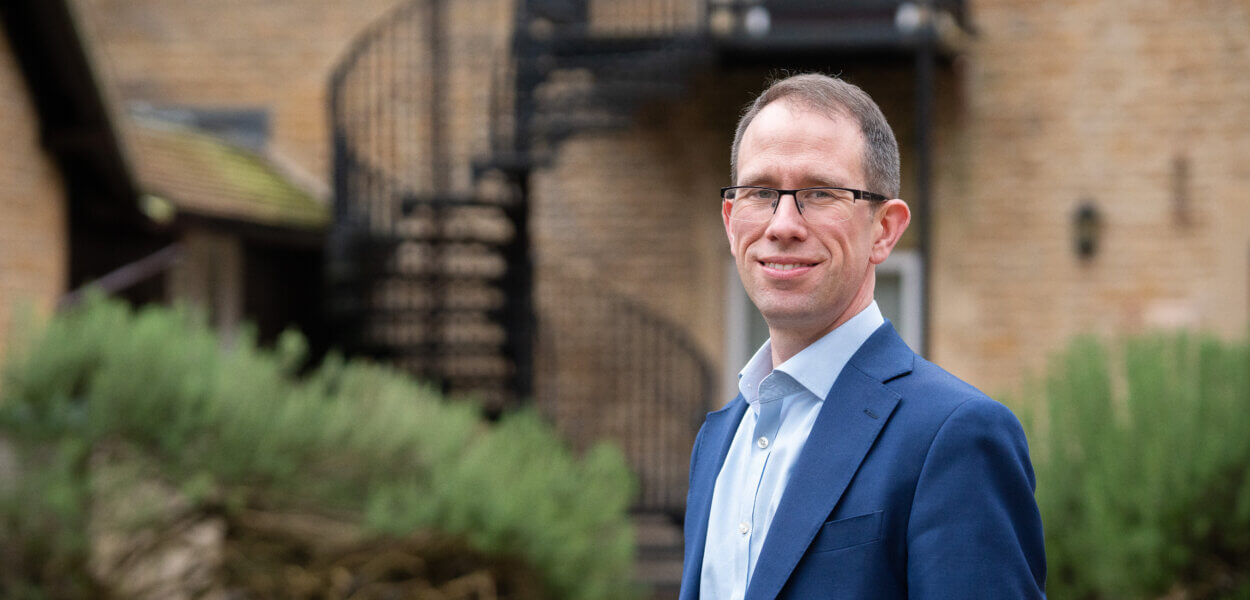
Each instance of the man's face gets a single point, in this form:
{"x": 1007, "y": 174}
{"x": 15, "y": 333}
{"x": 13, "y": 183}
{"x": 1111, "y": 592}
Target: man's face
{"x": 805, "y": 278}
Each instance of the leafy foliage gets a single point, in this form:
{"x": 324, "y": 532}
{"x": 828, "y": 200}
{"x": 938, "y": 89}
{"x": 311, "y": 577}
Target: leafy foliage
{"x": 1143, "y": 468}
{"x": 236, "y": 427}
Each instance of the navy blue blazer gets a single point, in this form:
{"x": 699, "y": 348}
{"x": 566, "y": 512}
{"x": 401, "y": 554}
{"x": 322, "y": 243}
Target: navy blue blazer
{"x": 911, "y": 484}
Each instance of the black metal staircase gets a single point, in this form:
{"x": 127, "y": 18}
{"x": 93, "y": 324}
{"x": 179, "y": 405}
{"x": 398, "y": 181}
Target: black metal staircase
{"x": 429, "y": 263}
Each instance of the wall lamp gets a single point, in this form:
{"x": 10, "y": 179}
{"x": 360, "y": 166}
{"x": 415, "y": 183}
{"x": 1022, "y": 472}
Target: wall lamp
{"x": 1087, "y": 228}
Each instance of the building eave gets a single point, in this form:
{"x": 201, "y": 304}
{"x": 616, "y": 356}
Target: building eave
{"x": 76, "y": 124}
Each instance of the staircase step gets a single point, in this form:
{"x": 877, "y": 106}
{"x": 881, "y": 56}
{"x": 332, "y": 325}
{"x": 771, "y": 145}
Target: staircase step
{"x": 656, "y": 530}
{"x": 658, "y": 561}
{"x": 661, "y": 578}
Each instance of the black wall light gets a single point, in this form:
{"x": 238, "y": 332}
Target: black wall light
{"x": 1087, "y": 228}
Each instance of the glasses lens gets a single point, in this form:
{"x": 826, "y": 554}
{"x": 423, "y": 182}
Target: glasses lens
{"x": 751, "y": 204}
{"x": 827, "y": 204}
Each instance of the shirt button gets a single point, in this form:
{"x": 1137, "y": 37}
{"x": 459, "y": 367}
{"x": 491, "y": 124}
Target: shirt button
{"x": 744, "y": 528}
{"x": 762, "y": 442}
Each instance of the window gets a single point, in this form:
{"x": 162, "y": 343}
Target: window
{"x": 899, "y": 289}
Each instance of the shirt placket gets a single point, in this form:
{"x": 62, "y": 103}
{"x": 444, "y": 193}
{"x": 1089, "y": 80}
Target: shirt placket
{"x": 751, "y": 511}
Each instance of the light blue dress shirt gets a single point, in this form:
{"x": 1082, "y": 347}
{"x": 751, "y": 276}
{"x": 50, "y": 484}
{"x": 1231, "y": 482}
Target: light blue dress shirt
{"x": 782, "y": 406}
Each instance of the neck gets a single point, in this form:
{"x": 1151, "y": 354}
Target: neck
{"x": 786, "y": 342}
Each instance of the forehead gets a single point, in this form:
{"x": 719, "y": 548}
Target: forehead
{"x": 790, "y": 142}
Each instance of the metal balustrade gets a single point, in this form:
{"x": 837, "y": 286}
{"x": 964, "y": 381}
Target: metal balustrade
{"x": 612, "y": 368}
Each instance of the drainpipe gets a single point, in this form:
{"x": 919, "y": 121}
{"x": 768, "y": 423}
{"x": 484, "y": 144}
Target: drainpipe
{"x": 925, "y": 67}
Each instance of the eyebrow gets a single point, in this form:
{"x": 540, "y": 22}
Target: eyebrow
{"x": 817, "y": 182}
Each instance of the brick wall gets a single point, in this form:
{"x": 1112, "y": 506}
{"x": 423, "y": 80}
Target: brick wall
{"x": 32, "y": 208}
{"x": 275, "y": 54}
{"x": 1138, "y": 107}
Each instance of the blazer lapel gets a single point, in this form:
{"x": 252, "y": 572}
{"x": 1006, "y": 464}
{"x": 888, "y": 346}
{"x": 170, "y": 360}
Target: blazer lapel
{"x": 718, "y": 434}
{"x": 853, "y": 415}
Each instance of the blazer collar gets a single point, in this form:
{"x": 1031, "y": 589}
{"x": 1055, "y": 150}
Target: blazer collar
{"x": 853, "y": 415}
{"x": 884, "y": 355}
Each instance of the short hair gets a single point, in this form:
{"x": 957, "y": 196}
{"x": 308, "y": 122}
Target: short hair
{"x": 834, "y": 98}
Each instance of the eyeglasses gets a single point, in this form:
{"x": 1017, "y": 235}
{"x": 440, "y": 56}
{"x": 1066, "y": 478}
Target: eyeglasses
{"x": 758, "y": 204}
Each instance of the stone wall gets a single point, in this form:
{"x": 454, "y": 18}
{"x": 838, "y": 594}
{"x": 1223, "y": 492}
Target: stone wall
{"x": 33, "y": 242}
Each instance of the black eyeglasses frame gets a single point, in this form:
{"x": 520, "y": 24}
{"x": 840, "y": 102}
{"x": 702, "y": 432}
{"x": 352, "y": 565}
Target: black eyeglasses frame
{"x": 857, "y": 194}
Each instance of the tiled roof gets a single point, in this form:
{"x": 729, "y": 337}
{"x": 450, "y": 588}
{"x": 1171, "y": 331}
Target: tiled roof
{"x": 201, "y": 174}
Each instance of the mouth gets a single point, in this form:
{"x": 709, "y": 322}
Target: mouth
{"x": 786, "y": 266}
{"x": 783, "y": 269}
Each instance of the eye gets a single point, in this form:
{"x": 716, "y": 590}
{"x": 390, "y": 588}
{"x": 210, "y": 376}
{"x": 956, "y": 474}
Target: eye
{"x": 761, "y": 194}
{"x": 824, "y": 196}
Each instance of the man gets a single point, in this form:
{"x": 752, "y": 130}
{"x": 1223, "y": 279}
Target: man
{"x": 848, "y": 467}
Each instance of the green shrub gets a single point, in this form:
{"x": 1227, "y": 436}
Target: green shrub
{"x": 1143, "y": 468}
{"x": 236, "y": 427}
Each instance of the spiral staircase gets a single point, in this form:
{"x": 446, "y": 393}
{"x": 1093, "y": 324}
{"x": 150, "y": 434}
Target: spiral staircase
{"x": 438, "y": 121}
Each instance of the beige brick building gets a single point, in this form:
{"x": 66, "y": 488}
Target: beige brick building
{"x": 1133, "y": 108}
{"x": 33, "y": 227}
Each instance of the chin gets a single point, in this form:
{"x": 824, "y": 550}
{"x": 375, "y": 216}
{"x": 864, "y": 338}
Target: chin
{"x": 786, "y": 316}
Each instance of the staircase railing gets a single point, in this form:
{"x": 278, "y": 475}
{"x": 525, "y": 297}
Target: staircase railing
{"x": 428, "y": 260}
{"x": 612, "y": 368}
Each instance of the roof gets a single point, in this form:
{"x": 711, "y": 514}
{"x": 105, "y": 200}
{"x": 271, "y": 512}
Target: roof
{"x": 201, "y": 174}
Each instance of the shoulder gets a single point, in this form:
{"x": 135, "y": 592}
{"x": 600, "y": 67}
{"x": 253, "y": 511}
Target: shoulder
{"x": 887, "y": 359}
{"x": 942, "y": 409}
{"x": 935, "y": 379}
{"x": 962, "y": 422}
{"x": 927, "y": 394}
{"x": 930, "y": 388}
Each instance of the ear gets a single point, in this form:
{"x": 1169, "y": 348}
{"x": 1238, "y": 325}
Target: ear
{"x": 725, "y": 208}
{"x": 889, "y": 223}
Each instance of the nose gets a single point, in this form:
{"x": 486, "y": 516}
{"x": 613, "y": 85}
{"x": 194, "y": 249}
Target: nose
{"x": 787, "y": 221}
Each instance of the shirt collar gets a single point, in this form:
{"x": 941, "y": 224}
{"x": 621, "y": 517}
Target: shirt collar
{"x": 818, "y": 365}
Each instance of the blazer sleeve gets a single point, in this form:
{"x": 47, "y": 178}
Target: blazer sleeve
{"x": 975, "y": 530}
